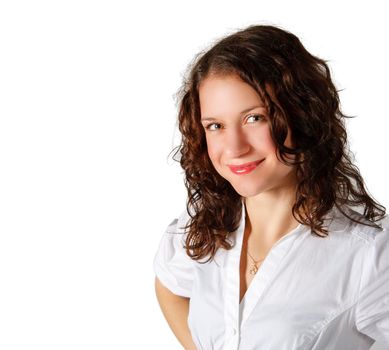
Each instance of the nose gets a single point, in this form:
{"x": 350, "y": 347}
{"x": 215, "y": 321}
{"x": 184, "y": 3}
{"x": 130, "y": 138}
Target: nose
{"x": 236, "y": 143}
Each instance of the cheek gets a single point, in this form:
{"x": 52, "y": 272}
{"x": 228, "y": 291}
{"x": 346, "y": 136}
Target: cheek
{"x": 263, "y": 142}
{"x": 213, "y": 150}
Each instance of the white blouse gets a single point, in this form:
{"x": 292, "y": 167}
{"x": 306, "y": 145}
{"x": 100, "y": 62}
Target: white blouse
{"x": 309, "y": 292}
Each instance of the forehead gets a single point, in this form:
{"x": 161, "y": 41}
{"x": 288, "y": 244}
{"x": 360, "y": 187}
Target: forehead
{"x": 223, "y": 95}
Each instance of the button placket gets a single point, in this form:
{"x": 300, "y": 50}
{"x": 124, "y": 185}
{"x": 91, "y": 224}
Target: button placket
{"x": 232, "y": 341}
{"x": 231, "y": 297}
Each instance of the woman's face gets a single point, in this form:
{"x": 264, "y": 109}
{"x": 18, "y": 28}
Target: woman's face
{"x": 237, "y": 132}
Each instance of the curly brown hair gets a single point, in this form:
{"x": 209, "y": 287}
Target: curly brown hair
{"x": 298, "y": 93}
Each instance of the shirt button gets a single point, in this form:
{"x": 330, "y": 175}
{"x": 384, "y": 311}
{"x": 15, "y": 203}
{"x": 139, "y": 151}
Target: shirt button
{"x": 233, "y": 331}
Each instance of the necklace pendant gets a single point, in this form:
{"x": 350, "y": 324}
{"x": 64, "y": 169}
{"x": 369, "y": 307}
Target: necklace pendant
{"x": 253, "y": 270}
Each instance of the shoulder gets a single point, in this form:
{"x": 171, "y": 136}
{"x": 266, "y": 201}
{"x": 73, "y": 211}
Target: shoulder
{"x": 356, "y": 243}
{"x": 370, "y": 233}
{"x": 374, "y": 244}
{"x": 172, "y": 266}
{"x": 373, "y": 236}
{"x": 176, "y": 233}
{"x": 179, "y": 223}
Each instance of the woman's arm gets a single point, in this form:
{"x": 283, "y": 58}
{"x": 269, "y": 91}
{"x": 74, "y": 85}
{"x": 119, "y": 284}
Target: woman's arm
{"x": 175, "y": 309}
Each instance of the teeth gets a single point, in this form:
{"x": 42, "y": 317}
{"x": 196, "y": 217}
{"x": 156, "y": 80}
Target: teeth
{"x": 241, "y": 171}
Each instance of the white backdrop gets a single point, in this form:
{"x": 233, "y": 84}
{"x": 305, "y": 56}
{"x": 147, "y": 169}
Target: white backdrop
{"x": 88, "y": 119}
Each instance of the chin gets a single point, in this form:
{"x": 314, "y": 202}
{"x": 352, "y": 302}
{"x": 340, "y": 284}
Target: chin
{"x": 247, "y": 191}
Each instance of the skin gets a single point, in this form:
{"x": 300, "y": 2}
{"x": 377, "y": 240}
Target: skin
{"x": 235, "y": 138}
{"x": 175, "y": 309}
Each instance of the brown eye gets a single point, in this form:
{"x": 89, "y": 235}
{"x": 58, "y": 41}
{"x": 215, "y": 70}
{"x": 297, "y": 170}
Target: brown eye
{"x": 208, "y": 127}
{"x": 258, "y": 116}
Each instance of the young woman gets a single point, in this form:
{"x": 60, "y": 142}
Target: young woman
{"x": 280, "y": 246}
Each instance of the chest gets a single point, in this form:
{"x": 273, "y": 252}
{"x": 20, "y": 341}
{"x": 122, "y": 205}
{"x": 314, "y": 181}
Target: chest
{"x": 247, "y": 270}
{"x": 289, "y": 300}
{"x": 253, "y": 253}
{"x": 300, "y": 286}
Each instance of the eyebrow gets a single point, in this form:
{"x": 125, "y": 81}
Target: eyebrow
{"x": 242, "y": 112}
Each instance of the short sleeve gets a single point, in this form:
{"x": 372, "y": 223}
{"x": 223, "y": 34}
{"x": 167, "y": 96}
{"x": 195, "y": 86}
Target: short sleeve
{"x": 172, "y": 266}
{"x": 372, "y": 309}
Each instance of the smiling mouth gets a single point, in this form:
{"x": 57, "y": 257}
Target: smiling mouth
{"x": 245, "y": 165}
{"x": 245, "y": 168}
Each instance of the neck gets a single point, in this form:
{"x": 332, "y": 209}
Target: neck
{"x": 269, "y": 215}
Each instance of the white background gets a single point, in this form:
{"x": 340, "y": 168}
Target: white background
{"x": 88, "y": 119}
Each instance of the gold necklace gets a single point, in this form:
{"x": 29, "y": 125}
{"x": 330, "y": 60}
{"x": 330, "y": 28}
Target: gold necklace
{"x": 254, "y": 268}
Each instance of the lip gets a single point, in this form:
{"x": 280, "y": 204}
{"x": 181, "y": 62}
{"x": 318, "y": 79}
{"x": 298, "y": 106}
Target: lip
{"x": 244, "y": 168}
